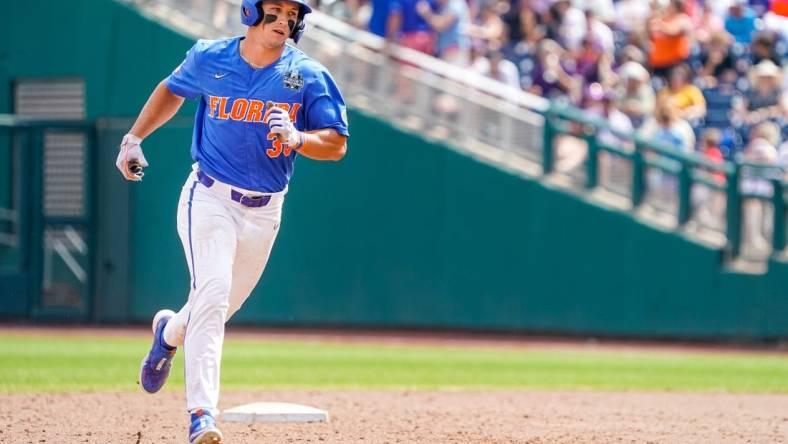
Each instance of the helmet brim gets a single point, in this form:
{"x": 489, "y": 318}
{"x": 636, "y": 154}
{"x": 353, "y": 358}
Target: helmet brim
{"x": 305, "y": 8}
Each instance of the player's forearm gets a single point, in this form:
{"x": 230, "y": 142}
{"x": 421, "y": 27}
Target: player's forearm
{"x": 160, "y": 107}
{"x": 325, "y": 144}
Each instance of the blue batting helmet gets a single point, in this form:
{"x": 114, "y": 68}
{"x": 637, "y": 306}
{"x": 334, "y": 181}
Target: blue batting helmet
{"x": 252, "y": 14}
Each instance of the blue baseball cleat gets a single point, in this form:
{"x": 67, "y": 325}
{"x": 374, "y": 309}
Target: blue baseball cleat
{"x": 156, "y": 366}
{"x": 203, "y": 429}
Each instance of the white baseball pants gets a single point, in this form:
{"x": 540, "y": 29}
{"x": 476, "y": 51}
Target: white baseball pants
{"x": 227, "y": 246}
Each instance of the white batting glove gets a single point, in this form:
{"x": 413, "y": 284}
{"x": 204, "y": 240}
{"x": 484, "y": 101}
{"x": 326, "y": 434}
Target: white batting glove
{"x": 279, "y": 122}
{"x": 131, "y": 158}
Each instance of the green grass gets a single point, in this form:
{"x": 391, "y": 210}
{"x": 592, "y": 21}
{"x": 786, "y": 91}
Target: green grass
{"x": 60, "y": 364}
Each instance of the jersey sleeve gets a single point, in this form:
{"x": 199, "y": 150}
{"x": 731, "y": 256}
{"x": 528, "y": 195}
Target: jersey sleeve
{"x": 184, "y": 81}
{"x": 324, "y": 106}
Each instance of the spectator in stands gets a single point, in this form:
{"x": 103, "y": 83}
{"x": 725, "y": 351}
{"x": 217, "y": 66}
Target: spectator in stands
{"x": 764, "y": 48}
{"x": 594, "y": 65}
{"x": 756, "y": 223}
{"x": 693, "y": 9}
{"x": 408, "y": 28}
{"x": 599, "y": 32}
{"x": 722, "y": 98}
{"x": 716, "y": 56}
{"x": 759, "y": 7}
{"x": 358, "y": 13}
{"x": 681, "y": 93}
{"x": 495, "y": 66}
{"x": 521, "y": 19}
{"x": 488, "y": 32}
{"x": 568, "y": 24}
{"x": 552, "y": 77}
{"x": 634, "y": 95}
{"x": 671, "y": 38}
{"x": 768, "y": 131}
{"x": 450, "y": 20}
{"x": 603, "y": 9}
{"x": 602, "y": 104}
{"x": 709, "y": 206}
{"x": 740, "y": 22}
{"x": 707, "y": 24}
{"x": 632, "y": 15}
{"x": 776, "y": 19}
{"x": 631, "y": 53}
{"x": 710, "y": 142}
{"x": 669, "y": 128}
{"x": 765, "y": 100}
{"x": 720, "y": 8}
{"x": 640, "y": 38}
{"x": 379, "y": 17}
{"x": 782, "y": 158}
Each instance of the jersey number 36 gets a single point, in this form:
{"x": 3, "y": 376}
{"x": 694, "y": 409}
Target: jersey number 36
{"x": 276, "y": 147}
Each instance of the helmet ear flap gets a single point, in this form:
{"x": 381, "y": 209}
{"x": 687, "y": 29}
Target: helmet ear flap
{"x": 251, "y": 12}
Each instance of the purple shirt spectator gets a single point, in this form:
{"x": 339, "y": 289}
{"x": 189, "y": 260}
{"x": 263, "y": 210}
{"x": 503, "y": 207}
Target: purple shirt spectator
{"x": 547, "y": 80}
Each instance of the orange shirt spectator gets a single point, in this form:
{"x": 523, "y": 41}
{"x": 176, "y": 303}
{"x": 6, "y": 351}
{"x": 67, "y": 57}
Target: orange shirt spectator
{"x": 670, "y": 36}
{"x": 780, "y": 7}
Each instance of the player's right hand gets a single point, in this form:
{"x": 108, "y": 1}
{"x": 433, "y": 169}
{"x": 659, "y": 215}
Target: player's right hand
{"x": 131, "y": 158}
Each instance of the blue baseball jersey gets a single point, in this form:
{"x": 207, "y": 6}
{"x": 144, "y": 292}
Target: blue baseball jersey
{"x": 231, "y": 140}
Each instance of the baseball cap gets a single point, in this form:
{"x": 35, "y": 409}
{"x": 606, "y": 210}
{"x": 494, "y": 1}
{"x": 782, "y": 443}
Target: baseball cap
{"x": 633, "y": 70}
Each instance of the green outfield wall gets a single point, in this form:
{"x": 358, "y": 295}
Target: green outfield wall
{"x": 401, "y": 233}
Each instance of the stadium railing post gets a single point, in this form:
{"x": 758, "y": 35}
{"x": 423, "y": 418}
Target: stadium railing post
{"x": 733, "y": 214}
{"x": 778, "y": 200}
{"x": 685, "y": 192}
{"x": 592, "y": 162}
{"x": 547, "y": 142}
{"x": 637, "y": 175}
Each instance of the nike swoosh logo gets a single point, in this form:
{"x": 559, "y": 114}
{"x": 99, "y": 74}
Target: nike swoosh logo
{"x": 218, "y": 76}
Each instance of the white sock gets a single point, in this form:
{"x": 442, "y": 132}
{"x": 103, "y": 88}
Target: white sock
{"x": 174, "y": 332}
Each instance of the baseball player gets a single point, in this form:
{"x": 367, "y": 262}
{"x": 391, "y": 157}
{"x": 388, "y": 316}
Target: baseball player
{"x": 262, "y": 102}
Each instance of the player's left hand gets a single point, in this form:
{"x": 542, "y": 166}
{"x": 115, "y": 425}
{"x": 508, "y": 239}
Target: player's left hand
{"x": 279, "y": 122}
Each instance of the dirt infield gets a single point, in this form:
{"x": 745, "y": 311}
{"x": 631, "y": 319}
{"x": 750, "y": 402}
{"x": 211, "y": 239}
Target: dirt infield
{"x": 411, "y": 417}
{"x": 398, "y": 416}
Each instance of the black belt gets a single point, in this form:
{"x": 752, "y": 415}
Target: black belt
{"x": 243, "y": 199}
